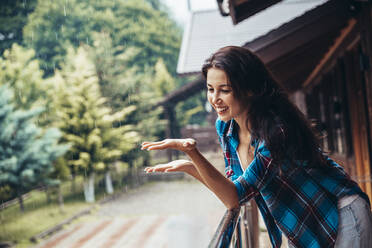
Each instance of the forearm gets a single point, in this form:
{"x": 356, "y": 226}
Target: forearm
{"x": 222, "y": 187}
{"x": 194, "y": 173}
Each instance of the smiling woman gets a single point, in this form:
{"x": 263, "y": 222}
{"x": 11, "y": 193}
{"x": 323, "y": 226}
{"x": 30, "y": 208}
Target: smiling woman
{"x": 299, "y": 190}
{"x": 221, "y": 96}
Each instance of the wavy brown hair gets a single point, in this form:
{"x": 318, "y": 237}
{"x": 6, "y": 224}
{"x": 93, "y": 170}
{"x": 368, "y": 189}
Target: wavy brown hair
{"x": 272, "y": 117}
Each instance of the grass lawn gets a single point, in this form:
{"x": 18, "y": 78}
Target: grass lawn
{"x": 19, "y": 227}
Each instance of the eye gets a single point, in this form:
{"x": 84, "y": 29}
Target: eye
{"x": 210, "y": 89}
{"x": 225, "y": 91}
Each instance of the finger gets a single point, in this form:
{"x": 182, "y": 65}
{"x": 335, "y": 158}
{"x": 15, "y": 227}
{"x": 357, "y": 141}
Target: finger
{"x": 147, "y": 145}
{"x": 152, "y": 142}
{"x": 152, "y": 169}
{"x": 170, "y": 170}
{"x": 156, "y": 147}
{"x": 190, "y": 142}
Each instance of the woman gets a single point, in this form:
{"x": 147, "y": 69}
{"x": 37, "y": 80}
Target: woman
{"x": 272, "y": 154}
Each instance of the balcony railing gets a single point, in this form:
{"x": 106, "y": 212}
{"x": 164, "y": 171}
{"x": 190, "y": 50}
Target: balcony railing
{"x": 238, "y": 228}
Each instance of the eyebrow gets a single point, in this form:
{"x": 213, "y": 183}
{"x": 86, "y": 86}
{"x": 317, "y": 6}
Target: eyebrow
{"x": 221, "y": 85}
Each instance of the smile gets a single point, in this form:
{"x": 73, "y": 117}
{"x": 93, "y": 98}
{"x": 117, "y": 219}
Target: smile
{"x": 221, "y": 110}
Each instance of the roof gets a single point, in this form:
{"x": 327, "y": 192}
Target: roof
{"x": 243, "y": 9}
{"x": 207, "y": 31}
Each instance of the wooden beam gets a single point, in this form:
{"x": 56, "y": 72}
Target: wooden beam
{"x": 242, "y": 9}
{"x": 348, "y": 34}
{"x": 309, "y": 26}
{"x": 184, "y": 92}
{"x": 301, "y": 43}
{"x": 365, "y": 19}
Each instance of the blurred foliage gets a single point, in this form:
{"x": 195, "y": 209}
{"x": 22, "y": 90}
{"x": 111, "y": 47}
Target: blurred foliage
{"x": 20, "y": 71}
{"x": 97, "y": 68}
{"x": 192, "y": 110}
{"x": 56, "y": 25}
{"x": 26, "y": 153}
{"x": 6, "y": 193}
{"x": 13, "y": 17}
{"x": 96, "y": 135}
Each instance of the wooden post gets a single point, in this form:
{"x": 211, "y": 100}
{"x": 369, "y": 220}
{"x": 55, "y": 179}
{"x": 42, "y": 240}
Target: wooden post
{"x": 365, "y": 20}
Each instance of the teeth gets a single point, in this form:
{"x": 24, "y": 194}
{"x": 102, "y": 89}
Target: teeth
{"x": 221, "y": 109}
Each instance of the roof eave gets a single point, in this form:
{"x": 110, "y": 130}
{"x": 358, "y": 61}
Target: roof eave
{"x": 239, "y": 10}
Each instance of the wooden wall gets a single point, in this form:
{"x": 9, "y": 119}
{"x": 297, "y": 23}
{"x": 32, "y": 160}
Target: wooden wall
{"x": 340, "y": 105}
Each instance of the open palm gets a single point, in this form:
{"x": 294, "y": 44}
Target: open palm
{"x": 174, "y": 166}
{"x": 183, "y": 145}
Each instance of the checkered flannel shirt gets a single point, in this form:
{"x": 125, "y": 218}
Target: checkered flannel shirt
{"x": 302, "y": 202}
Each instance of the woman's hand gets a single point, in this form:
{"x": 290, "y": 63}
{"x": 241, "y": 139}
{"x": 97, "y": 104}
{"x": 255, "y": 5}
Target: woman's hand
{"x": 174, "y": 166}
{"x": 183, "y": 145}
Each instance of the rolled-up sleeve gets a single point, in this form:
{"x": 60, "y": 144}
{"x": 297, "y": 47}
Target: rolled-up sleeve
{"x": 260, "y": 171}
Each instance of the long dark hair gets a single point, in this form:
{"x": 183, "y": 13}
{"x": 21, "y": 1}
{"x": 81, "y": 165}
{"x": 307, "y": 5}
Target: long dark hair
{"x": 272, "y": 117}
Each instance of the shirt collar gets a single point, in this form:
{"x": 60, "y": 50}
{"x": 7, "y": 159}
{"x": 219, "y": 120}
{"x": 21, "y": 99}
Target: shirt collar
{"x": 233, "y": 136}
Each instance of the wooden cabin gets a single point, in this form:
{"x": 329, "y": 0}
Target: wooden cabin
{"x": 321, "y": 54}
{"x": 323, "y": 57}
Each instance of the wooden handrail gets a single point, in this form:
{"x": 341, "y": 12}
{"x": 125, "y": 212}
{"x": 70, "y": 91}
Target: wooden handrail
{"x": 237, "y": 228}
{"x": 225, "y": 229}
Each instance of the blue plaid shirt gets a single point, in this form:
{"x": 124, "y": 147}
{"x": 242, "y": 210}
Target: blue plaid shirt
{"x": 301, "y": 202}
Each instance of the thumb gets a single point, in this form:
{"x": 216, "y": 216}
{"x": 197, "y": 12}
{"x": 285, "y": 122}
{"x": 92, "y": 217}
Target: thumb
{"x": 170, "y": 169}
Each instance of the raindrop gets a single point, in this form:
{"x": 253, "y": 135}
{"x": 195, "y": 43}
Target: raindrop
{"x": 64, "y": 9}
{"x": 56, "y": 35}
{"x": 87, "y": 41}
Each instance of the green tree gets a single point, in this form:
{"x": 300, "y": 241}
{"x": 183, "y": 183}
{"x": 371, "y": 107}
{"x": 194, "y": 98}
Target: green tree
{"x": 117, "y": 79}
{"x": 56, "y": 25}
{"x": 96, "y": 135}
{"x": 163, "y": 82}
{"x": 13, "y": 17}
{"x": 21, "y": 72}
{"x": 26, "y": 153}
{"x": 123, "y": 84}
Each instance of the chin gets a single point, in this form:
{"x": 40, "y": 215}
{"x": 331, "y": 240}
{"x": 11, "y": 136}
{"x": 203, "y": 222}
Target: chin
{"x": 224, "y": 118}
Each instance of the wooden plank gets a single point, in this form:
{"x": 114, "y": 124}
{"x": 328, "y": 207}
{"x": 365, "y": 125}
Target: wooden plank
{"x": 365, "y": 19}
{"x": 347, "y": 34}
{"x": 356, "y": 108}
{"x": 362, "y": 118}
{"x": 293, "y": 68}
{"x": 184, "y": 92}
{"x": 330, "y": 16}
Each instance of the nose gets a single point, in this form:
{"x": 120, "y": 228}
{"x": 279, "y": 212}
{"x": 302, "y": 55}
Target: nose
{"x": 215, "y": 98}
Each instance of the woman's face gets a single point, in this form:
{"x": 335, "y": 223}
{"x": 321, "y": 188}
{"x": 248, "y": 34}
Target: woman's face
{"x": 220, "y": 95}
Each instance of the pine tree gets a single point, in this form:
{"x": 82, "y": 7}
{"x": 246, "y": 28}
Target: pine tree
{"x": 20, "y": 70}
{"x": 95, "y": 133}
{"x": 26, "y": 153}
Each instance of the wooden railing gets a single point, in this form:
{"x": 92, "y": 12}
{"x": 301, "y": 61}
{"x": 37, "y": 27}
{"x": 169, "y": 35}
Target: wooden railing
{"x": 238, "y": 228}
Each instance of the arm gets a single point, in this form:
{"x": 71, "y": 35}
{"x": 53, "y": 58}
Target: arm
{"x": 177, "y": 166}
{"x": 222, "y": 187}
{"x": 206, "y": 173}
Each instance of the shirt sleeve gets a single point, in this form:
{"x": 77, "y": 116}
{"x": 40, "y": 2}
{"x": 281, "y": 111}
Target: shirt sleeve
{"x": 260, "y": 171}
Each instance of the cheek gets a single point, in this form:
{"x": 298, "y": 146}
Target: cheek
{"x": 209, "y": 98}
